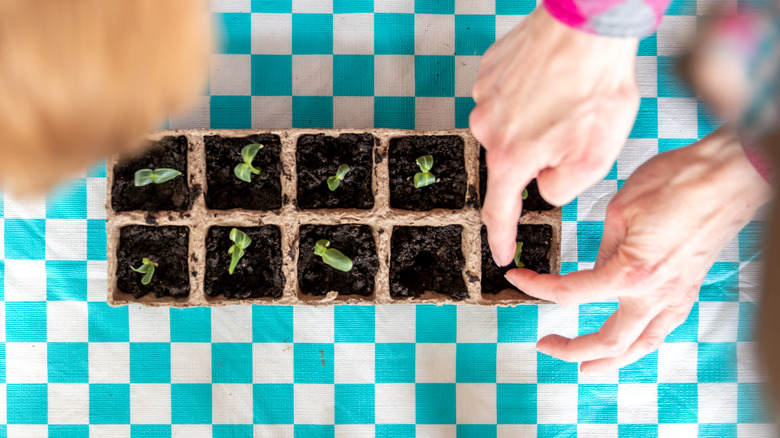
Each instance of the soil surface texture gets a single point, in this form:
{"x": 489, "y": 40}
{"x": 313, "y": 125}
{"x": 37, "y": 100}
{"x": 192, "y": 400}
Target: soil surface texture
{"x": 534, "y": 202}
{"x": 449, "y": 168}
{"x": 319, "y": 156}
{"x": 174, "y": 195}
{"x": 258, "y": 273}
{"x": 535, "y": 255}
{"x": 356, "y": 242}
{"x": 427, "y": 259}
{"x": 166, "y": 246}
{"x": 225, "y": 191}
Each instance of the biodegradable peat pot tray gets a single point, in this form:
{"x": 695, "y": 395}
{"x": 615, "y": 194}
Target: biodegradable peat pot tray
{"x": 407, "y": 244}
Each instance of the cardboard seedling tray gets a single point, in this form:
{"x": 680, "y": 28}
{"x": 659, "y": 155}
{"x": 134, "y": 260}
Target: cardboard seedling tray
{"x": 382, "y": 219}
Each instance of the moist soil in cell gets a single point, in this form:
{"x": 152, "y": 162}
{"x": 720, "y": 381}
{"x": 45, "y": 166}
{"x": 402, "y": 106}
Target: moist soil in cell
{"x": 426, "y": 259}
{"x": 449, "y": 168}
{"x": 166, "y": 246}
{"x": 257, "y": 274}
{"x": 319, "y": 157}
{"x": 535, "y": 255}
{"x": 315, "y": 277}
{"x": 173, "y": 195}
{"x": 534, "y": 201}
{"x": 225, "y": 191}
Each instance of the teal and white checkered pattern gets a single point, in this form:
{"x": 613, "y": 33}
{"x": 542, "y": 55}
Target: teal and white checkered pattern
{"x": 72, "y": 366}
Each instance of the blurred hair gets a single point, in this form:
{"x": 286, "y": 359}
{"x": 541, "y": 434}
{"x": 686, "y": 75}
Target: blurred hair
{"x": 81, "y": 79}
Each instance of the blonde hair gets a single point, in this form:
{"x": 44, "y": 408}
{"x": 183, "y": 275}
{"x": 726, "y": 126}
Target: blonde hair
{"x": 81, "y": 79}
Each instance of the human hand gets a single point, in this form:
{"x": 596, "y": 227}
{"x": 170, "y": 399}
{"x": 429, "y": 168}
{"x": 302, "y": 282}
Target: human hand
{"x": 552, "y": 103}
{"x": 662, "y": 232}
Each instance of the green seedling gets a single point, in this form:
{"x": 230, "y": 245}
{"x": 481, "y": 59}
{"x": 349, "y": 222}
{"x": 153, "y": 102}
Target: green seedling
{"x": 241, "y": 242}
{"x": 332, "y": 257}
{"x": 245, "y": 170}
{"x": 146, "y": 268}
{"x": 424, "y": 177}
{"x": 335, "y": 180}
{"x": 518, "y": 251}
{"x": 144, "y": 177}
{"x": 525, "y": 194}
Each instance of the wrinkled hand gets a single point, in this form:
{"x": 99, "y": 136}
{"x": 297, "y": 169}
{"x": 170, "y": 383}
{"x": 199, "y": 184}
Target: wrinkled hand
{"x": 663, "y": 231}
{"x": 552, "y": 103}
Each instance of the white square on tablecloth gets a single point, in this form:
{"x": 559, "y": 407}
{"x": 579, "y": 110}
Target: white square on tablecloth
{"x": 97, "y": 280}
{"x": 273, "y": 363}
{"x": 395, "y": 403}
{"x": 354, "y": 431}
{"x": 66, "y": 239}
{"x": 271, "y": 34}
{"x": 271, "y": 112}
{"x": 678, "y": 430}
{"x": 313, "y": 324}
{"x": 231, "y": 403}
{"x": 435, "y": 363}
{"x": 25, "y": 280}
{"x": 239, "y": 6}
{"x": 394, "y": 6}
{"x": 434, "y": 113}
{"x": 190, "y": 362}
{"x": 516, "y": 362}
{"x": 355, "y": 112}
{"x": 569, "y": 241}
{"x": 556, "y": 403}
{"x": 191, "y": 431}
{"x": 677, "y": 117}
{"x": 505, "y": 23}
{"x": 717, "y": 403}
{"x": 596, "y": 430}
{"x": 26, "y": 362}
{"x": 24, "y": 208}
{"x": 608, "y": 377}
{"x": 67, "y": 321}
{"x": 353, "y": 34}
{"x": 149, "y": 324}
{"x": 677, "y": 362}
{"x": 708, "y": 7}
{"x": 312, "y": 6}
{"x": 592, "y": 203}
{"x": 475, "y": 7}
{"x": 35, "y": 431}
{"x": 745, "y": 430}
{"x": 559, "y": 320}
{"x": 466, "y": 73}
{"x": 230, "y": 75}
{"x": 312, "y": 75}
{"x": 476, "y": 403}
{"x": 750, "y": 280}
{"x": 748, "y": 367}
{"x": 313, "y": 404}
{"x": 353, "y": 363}
{"x": 730, "y": 252}
{"x": 395, "y": 323}
{"x": 436, "y": 430}
{"x": 675, "y": 34}
{"x": 231, "y": 324}
{"x": 109, "y": 362}
{"x": 198, "y": 115}
{"x": 638, "y": 403}
{"x": 477, "y": 324}
{"x": 647, "y": 75}
{"x": 635, "y": 153}
{"x": 394, "y": 75}
{"x": 434, "y": 34}
{"x": 150, "y": 403}
{"x": 718, "y": 321}
{"x": 516, "y": 431}
{"x": 274, "y": 430}
{"x": 96, "y": 198}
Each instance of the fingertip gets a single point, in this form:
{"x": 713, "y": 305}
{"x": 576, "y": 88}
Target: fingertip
{"x": 550, "y": 344}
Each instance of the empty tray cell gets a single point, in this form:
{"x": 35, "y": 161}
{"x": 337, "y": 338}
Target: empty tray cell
{"x": 535, "y": 255}
{"x": 427, "y": 259}
{"x": 356, "y": 242}
{"x": 167, "y": 247}
{"x": 319, "y": 157}
{"x": 257, "y": 274}
{"x": 225, "y": 190}
{"x": 449, "y": 169}
{"x": 534, "y": 201}
{"x": 172, "y": 195}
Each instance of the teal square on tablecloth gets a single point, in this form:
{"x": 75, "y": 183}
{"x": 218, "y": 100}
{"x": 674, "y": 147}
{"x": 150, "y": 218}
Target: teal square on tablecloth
{"x": 435, "y": 403}
{"x": 557, "y": 430}
{"x": 191, "y": 403}
{"x": 463, "y": 107}
{"x": 434, "y": 6}
{"x": 645, "y": 370}
{"x": 231, "y": 430}
{"x": 752, "y": 402}
{"x": 312, "y": 111}
{"x": 273, "y": 403}
{"x": 68, "y": 201}
{"x": 191, "y": 324}
{"x": 353, "y": 6}
{"x": 436, "y": 324}
{"x": 25, "y": 239}
{"x": 231, "y": 112}
{"x": 474, "y": 34}
{"x": 717, "y": 362}
{"x": 314, "y": 431}
{"x": 721, "y": 283}
{"x": 706, "y": 121}
{"x": 353, "y": 75}
{"x": 751, "y": 239}
{"x": 68, "y": 431}
{"x": 553, "y": 370}
{"x": 231, "y": 363}
{"x": 668, "y": 144}
{"x": 150, "y": 362}
{"x": 272, "y": 324}
{"x": 68, "y": 362}
{"x": 637, "y": 431}
{"x": 688, "y": 331}
{"x": 434, "y": 76}
{"x": 395, "y": 431}
{"x": 150, "y": 430}
{"x": 312, "y": 34}
{"x": 678, "y": 402}
{"x": 681, "y": 7}
{"x": 354, "y": 403}
{"x": 393, "y": 34}
{"x": 516, "y": 403}
{"x": 96, "y": 239}
{"x": 646, "y": 124}
{"x": 597, "y": 403}
{"x": 747, "y": 321}
{"x": 25, "y": 321}
{"x": 313, "y": 363}
{"x": 515, "y": 7}
{"x": 272, "y": 6}
{"x": 394, "y": 112}
{"x": 518, "y": 323}
{"x": 27, "y": 403}
{"x": 233, "y": 31}
{"x": 670, "y": 84}
{"x": 648, "y": 45}
{"x": 394, "y": 362}
{"x": 66, "y": 280}
{"x": 354, "y": 323}
{"x": 476, "y": 431}
{"x": 718, "y": 430}
{"x": 592, "y": 316}
{"x": 271, "y": 75}
{"x": 109, "y": 403}
{"x": 476, "y": 363}
{"x": 588, "y": 240}
{"x": 108, "y": 324}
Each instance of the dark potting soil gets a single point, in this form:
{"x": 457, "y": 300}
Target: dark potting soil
{"x": 449, "y": 168}
{"x": 225, "y": 191}
{"x": 166, "y": 246}
{"x": 536, "y": 256}
{"x": 319, "y": 156}
{"x": 356, "y": 242}
{"x": 534, "y": 202}
{"x": 258, "y": 273}
{"x": 427, "y": 259}
{"x": 170, "y": 152}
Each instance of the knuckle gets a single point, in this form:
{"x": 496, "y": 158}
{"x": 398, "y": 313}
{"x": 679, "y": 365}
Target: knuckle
{"x": 614, "y": 345}
{"x": 651, "y": 342}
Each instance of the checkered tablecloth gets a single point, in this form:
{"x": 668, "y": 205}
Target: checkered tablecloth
{"x": 72, "y": 366}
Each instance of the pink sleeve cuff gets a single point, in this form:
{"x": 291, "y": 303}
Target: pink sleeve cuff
{"x": 614, "y": 18}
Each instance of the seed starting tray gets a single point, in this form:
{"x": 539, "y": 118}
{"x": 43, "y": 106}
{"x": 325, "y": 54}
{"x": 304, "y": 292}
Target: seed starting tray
{"x": 381, "y": 218}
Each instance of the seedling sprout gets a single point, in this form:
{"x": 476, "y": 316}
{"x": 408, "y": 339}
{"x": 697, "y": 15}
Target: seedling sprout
{"x": 424, "y": 177}
{"x": 241, "y": 242}
{"x": 332, "y": 257}
{"x": 335, "y": 180}
{"x": 146, "y": 268}
{"x": 145, "y": 177}
{"x": 245, "y": 170}
{"x": 518, "y": 251}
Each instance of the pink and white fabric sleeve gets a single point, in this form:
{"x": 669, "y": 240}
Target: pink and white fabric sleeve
{"x": 614, "y": 18}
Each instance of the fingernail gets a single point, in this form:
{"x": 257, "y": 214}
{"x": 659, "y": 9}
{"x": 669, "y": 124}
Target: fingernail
{"x": 495, "y": 259}
{"x": 510, "y": 281}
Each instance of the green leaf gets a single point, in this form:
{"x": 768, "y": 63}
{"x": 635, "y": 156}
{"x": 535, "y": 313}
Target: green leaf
{"x": 144, "y": 177}
{"x": 237, "y": 252}
{"x": 149, "y": 274}
{"x": 423, "y": 179}
{"x": 249, "y": 152}
{"x": 321, "y": 246}
{"x": 160, "y": 176}
{"x": 525, "y": 194}
{"x": 333, "y": 183}
{"x": 425, "y": 162}
{"x": 342, "y": 171}
{"x": 240, "y": 238}
{"x": 337, "y": 260}
{"x": 243, "y": 172}
{"x": 518, "y": 251}
{"x": 143, "y": 269}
